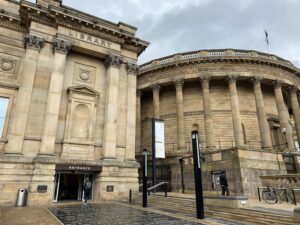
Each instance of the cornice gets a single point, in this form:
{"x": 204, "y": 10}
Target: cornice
{"x": 64, "y": 16}
{"x": 11, "y": 21}
{"x": 249, "y": 57}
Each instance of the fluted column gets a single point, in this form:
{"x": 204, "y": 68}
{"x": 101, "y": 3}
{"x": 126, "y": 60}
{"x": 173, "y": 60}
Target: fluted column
{"x": 261, "y": 115}
{"x": 295, "y": 107}
{"x": 156, "y": 112}
{"x": 61, "y": 49}
{"x": 283, "y": 114}
{"x": 138, "y": 121}
{"x": 113, "y": 65}
{"x": 209, "y": 134}
{"x": 235, "y": 108}
{"x": 132, "y": 70}
{"x": 180, "y": 114}
{"x": 16, "y": 134}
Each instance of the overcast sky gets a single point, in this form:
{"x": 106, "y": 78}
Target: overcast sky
{"x": 173, "y": 26}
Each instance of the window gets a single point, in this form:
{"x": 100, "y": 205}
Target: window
{"x": 3, "y": 111}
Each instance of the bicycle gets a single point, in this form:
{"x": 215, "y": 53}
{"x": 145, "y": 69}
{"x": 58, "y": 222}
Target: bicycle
{"x": 274, "y": 195}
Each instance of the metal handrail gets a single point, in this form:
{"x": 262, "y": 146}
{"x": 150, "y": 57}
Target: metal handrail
{"x": 153, "y": 188}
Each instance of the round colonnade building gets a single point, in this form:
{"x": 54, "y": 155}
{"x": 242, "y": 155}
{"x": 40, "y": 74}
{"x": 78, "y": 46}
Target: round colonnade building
{"x": 243, "y": 103}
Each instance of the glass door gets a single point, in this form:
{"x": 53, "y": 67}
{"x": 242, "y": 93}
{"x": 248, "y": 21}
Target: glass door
{"x": 91, "y": 179}
{"x": 56, "y": 187}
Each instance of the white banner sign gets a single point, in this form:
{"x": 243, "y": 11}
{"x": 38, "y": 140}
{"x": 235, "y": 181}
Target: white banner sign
{"x": 159, "y": 139}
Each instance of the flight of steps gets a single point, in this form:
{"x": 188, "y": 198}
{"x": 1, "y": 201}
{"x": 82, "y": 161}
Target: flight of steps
{"x": 187, "y": 207}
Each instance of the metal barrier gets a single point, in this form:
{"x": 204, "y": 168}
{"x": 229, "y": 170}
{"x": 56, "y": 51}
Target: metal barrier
{"x": 153, "y": 188}
{"x": 281, "y": 189}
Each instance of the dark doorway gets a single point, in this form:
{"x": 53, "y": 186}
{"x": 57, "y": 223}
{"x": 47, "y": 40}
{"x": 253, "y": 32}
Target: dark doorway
{"x": 69, "y": 185}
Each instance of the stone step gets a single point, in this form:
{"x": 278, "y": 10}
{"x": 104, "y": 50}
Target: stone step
{"x": 188, "y": 206}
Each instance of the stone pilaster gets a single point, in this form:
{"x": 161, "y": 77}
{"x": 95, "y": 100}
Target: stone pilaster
{"x": 61, "y": 49}
{"x": 113, "y": 64}
{"x": 295, "y": 107}
{"x": 156, "y": 112}
{"x": 138, "y": 121}
{"x": 15, "y": 137}
{"x": 209, "y": 134}
{"x": 180, "y": 114}
{"x": 132, "y": 70}
{"x": 235, "y": 108}
{"x": 283, "y": 114}
{"x": 261, "y": 115}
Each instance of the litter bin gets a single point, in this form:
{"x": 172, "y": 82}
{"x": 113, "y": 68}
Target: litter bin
{"x": 22, "y": 197}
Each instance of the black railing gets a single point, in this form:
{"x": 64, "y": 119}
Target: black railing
{"x": 153, "y": 188}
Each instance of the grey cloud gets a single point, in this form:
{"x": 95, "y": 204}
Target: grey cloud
{"x": 177, "y": 26}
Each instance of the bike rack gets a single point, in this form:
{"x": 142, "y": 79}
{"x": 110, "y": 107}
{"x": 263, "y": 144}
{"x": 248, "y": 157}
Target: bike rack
{"x": 282, "y": 189}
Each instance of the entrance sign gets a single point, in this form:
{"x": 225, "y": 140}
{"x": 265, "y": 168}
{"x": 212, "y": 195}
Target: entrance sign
{"x": 159, "y": 131}
{"x": 83, "y": 168}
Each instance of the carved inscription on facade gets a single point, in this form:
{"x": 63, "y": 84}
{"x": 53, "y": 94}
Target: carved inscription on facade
{"x": 90, "y": 38}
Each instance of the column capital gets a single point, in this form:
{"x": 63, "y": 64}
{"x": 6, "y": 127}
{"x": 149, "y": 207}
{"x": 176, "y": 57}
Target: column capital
{"x": 155, "y": 87}
{"x": 256, "y": 79}
{"x": 277, "y": 83}
{"x": 231, "y": 79}
{"x": 205, "y": 81}
{"x": 33, "y": 42}
{"x": 139, "y": 93}
{"x": 178, "y": 83}
{"x": 61, "y": 46}
{"x": 293, "y": 89}
{"x": 132, "y": 68}
{"x": 113, "y": 60}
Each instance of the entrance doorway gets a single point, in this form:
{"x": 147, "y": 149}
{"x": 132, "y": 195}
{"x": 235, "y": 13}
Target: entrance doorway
{"x": 69, "y": 186}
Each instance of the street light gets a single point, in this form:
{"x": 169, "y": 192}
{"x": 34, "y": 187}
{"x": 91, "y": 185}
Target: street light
{"x": 181, "y": 170}
{"x": 283, "y": 130}
{"x": 145, "y": 174}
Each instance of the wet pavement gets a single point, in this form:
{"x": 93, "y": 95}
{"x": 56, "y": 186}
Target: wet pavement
{"x": 112, "y": 214}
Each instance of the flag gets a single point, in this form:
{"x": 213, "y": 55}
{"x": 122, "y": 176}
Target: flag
{"x": 267, "y": 37}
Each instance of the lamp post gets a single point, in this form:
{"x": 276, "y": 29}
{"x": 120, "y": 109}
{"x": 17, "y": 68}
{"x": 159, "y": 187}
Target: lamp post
{"x": 284, "y": 136}
{"x": 145, "y": 174}
{"x": 181, "y": 171}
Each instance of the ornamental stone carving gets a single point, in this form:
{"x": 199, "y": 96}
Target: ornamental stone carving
{"x": 61, "y": 46}
{"x": 178, "y": 83}
{"x": 132, "y": 68}
{"x": 7, "y": 65}
{"x": 256, "y": 79}
{"x": 293, "y": 89}
{"x": 33, "y": 42}
{"x": 113, "y": 60}
{"x": 205, "y": 81}
{"x": 156, "y": 87}
{"x": 232, "y": 79}
{"x": 277, "y": 83}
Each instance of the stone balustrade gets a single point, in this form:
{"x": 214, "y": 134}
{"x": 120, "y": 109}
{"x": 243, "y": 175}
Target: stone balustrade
{"x": 215, "y": 53}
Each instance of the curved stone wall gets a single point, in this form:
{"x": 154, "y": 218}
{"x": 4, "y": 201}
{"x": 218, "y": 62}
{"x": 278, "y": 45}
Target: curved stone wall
{"x": 234, "y": 98}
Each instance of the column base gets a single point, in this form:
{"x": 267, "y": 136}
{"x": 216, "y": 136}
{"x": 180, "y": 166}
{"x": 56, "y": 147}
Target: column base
{"x": 13, "y": 154}
{"x": 45, "y": 155}
{"x": 108, "y": 158}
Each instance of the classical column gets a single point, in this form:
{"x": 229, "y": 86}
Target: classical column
{"x": 261, "y": 115}
{"x": 61, "y": 49}
{"x": 236, "y": 118}
{"x": 295, "y": 108}
{"x": 113, "y": 64}
{"x": 156, "y": 89}
{"x": 283, "y": 114}
{"x": 138, "y": 121}
{"x": 209, "y": 134}
{"x": 180, "y": 114}
{"x": 132, "y": 70}
{"x": 16, "y": 135}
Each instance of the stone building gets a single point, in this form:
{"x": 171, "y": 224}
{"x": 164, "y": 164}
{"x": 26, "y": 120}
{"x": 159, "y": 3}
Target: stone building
{"x": 68, "y": 103}
{"x": 244, "y": 105}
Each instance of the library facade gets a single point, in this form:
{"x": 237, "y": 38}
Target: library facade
{"x": 68, "y": 93}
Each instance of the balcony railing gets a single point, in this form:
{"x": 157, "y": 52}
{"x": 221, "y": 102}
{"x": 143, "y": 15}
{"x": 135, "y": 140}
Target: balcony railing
{"x": 214, "y": 53}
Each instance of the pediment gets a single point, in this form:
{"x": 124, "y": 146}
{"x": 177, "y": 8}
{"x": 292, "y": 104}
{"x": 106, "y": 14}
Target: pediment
{"x": 83, "y": 89}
